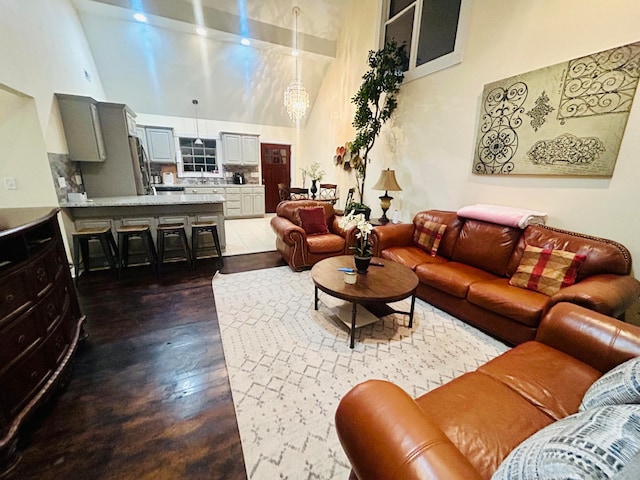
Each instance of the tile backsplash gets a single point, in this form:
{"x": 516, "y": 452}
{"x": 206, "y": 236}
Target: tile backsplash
{"x": 62, "y": 166}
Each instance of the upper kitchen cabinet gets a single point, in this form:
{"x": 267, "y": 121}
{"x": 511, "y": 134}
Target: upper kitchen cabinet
{"x": 160, "y": 143}
{"x": 82, "y": 129}
{"x": 240, "y": 149}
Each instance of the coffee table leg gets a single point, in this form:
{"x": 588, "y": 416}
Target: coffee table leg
{"x": 316, "y": 298}
{"x": 413, "y": 304}
{"x": 353, "y": 324}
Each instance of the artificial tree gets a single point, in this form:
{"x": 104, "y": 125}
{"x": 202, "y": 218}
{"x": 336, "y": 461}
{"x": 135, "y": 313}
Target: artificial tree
{"x": 375, "y": 101}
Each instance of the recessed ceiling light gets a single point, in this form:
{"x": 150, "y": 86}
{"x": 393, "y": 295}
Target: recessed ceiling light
{"x": 140, "y": 17}
{"x": 201, "y": 31}
{"x": 245, "y": 41}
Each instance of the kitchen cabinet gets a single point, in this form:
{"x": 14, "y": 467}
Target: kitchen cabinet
{"x": 40, "y": 319}
{"x": 121, "y": 173}
{"x": 160, "y": 144}
{"x": 241, "y": 201}
{"x": 240, "y": 149}
{"x": 82, "y": 129}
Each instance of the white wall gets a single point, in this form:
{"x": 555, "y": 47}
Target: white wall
{"x": 430, "y": 140}
{"x": 42, "y": 51}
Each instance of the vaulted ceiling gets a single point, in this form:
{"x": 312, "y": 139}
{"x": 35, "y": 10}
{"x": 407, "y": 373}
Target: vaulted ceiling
{"x": 159, "y": 66}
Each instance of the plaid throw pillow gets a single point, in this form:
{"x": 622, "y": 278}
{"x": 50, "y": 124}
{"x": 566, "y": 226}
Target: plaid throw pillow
{"x": 546, "y": 270}
{"x": 427, "y": 236}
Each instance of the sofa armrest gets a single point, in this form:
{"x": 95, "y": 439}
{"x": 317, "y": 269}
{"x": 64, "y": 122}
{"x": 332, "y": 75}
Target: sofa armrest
{"x": 606, "y": 293}
{"x": 287, "y": 231}
{"x": 386, "y": 435}
{"x": 391, "y": 235}
{"x": 593, "y": 338}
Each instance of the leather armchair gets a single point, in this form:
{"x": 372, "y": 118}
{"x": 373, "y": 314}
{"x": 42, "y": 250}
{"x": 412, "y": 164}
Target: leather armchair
{"x": 300, "y": 250}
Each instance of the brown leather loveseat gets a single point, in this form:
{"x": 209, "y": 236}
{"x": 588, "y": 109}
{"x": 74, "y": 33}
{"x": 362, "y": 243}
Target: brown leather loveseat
{"x": 469, "y": 276}
{"x": 301, "y": 249}
{"x": 464, "y": 429}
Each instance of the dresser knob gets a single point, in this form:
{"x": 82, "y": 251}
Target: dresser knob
{"x": 34, "y": 375}
{"x": 21, "y": 339}
{"x": 9, "y": 298}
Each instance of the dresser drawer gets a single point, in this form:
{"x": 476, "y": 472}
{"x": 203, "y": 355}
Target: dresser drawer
{"x": 41, "y": 278}
{"x": 22, "y": 381}
{"x": 14, "y": 296}
{"x": 20, "y": 336}
{"x": 57, "y": 344}
{"x": 50, "y": 309}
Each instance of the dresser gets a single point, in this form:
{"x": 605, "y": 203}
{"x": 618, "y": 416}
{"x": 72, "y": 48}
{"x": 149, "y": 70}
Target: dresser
{"x": 40, "y": 319}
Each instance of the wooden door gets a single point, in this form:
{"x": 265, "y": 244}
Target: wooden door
{"x": 275, "y": 169}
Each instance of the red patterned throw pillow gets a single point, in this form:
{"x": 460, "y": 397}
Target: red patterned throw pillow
{"x": 546, "y": 270}
{"x": 427, "y": 236}
{"x": 312, "y": 220}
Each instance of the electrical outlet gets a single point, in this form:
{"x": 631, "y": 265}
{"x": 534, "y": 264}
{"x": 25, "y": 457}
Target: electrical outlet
{"x": 62, "y": 182}
{"x": 78, "y": 179}
{"x": 10, "y": 183}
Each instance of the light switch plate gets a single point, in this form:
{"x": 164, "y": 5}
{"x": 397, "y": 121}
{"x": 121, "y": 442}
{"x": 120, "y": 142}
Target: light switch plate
{"x": 10, "y": 183}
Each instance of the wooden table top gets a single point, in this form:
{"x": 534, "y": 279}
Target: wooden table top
{"x": 390, "y": 283}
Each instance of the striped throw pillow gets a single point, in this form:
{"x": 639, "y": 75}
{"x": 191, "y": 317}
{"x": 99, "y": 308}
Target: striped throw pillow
{"x": 546, "y": 270}
{"x": 427, "y": 236}
{"x": 618, "y": 386}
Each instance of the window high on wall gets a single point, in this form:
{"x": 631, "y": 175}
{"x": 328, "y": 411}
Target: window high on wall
{"x": 433, "y": 30}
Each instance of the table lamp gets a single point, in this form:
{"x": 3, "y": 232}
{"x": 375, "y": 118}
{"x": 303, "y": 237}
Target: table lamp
{"x": 386, "y": 182}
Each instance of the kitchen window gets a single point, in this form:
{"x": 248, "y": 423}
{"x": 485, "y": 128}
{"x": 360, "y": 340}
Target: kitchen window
{"x": 433, "y": 30}
{"x": 199, "y": 158}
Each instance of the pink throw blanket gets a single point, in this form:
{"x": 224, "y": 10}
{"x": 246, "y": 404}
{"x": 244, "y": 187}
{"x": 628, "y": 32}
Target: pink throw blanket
{"x": 510, "y": 216}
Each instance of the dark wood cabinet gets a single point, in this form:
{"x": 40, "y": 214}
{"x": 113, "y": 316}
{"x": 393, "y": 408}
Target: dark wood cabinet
{"x": 40, "y": 319}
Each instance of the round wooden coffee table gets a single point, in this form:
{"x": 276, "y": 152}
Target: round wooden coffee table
{"x": 390, "y": 282}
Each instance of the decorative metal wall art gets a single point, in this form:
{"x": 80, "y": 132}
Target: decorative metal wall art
{"x": 567, "y": 119}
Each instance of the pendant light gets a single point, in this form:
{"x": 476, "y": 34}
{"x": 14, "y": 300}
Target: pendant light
{"x": 296, "y": 97}
{"x": 198, "y": 140}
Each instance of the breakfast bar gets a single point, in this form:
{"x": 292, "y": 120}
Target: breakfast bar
{"x": 152, "y": 210}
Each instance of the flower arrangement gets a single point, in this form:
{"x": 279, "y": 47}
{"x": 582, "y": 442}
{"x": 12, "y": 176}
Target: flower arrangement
{"x": 314, "y": 171}
{"x": 363, "y": 247}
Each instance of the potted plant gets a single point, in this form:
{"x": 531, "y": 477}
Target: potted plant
{"x": 315, "y": 174}
{"x": 362, "y": 248}
{"x": 375, "y": 101}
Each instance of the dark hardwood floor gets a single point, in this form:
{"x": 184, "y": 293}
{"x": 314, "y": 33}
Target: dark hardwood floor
{"x": 149, "y": 395}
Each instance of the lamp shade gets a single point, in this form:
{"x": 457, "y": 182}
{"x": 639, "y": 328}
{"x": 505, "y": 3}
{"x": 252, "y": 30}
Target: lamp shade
{"x": 387, "y": 181}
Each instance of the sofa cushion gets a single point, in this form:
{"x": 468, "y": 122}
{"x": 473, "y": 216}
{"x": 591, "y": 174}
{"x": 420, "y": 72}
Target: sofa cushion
{"x": 451, "y": 233}
{"x": 312, "y": 220}
{"x": 618, "y": 386}
{"x": 327, "y": 243}
{"x": 427, "y": 235}
{"x": 541, "y": 374}
{"x": 487, "y": 246}
{"x": 546, "y": 270}
{"x": 518, "y": 304}
{"x": 483, "y": 418}
{"x": 451, "y": 277}
{"x": 595, "y": 444}
{"x": 410, "y": 256}
{"x": 602, "y": 255}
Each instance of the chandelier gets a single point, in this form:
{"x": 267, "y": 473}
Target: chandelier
{"x": 296, "y": 97}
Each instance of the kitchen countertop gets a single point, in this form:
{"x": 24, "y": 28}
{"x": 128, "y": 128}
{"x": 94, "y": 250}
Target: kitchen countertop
{"x": 144, "y": 200}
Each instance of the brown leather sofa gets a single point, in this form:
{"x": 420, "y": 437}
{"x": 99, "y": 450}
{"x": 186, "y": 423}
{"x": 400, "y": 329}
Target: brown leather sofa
{"x": 465, "y": 428}
{"x": 297, "y": 248}
{"x": 469, "y": 276}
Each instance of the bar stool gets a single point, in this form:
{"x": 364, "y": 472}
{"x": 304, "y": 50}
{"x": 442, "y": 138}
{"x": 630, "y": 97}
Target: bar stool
{"x": 165, "y": 230}
{"x": 81, "y": 243}
{"x": 202, "y": 227}
{"x": 126, "y": 233}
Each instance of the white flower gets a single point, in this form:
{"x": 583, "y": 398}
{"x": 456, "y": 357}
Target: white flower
{"x": 364, "y": 229}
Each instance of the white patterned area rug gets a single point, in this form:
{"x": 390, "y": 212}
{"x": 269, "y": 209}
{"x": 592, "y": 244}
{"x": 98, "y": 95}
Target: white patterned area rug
{"x": 290, "y": 365}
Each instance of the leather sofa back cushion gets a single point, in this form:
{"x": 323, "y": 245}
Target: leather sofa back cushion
{"x": 601, "y": 255}
{"x": 289, "y": 209}
{"x": 450, "y": 236}
{"x": 487, "y": 246}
